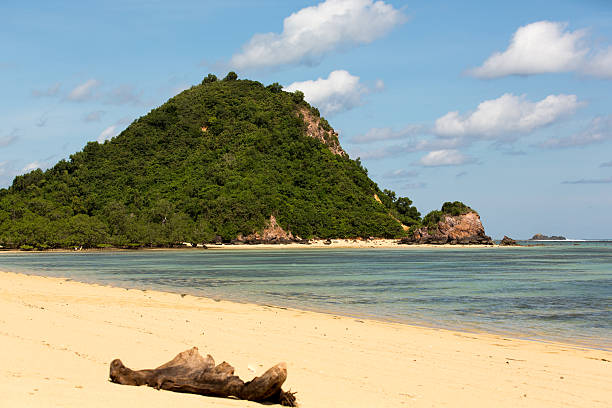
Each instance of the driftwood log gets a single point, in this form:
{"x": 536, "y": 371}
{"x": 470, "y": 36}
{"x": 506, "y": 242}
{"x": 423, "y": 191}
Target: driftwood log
{"x": 191, "y": 373}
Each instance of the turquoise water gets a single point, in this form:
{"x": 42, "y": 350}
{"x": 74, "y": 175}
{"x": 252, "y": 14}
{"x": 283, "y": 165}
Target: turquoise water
{"x": 557, "y": 291}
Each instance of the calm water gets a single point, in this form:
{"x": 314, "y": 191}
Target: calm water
{"x": 556, "y": 291}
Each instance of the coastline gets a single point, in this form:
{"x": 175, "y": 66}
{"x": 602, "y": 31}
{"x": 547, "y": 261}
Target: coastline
{"x": 59, "y": 336}
{"x": 314, "y": 244}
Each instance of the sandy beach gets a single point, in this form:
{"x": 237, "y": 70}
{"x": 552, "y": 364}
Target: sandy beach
{"x": 347, "y": 244}
{"x": 57, "y": 338}
{"x": 314, "y": 244}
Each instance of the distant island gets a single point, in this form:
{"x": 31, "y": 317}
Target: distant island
{"x": 541, "y": 237}
{"x": 226, "y": 161}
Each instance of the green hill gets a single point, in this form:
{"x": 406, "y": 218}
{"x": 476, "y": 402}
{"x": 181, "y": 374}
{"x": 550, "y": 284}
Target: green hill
{"x": 214, "y": 162}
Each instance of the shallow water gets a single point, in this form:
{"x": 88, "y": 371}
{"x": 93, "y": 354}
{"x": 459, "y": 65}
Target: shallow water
{"x": 558, "y": 291}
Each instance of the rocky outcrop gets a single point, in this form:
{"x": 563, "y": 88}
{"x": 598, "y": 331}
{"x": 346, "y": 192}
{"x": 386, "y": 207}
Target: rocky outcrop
{"x": 315, "y": 129}
{"x": 271, "y": 234}
{"x": 460, "y": 229}
{"x": 542, "y": 237}
{"x": 507, "y": 241}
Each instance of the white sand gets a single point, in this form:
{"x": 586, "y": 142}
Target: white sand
{"x": 58, "y": 337}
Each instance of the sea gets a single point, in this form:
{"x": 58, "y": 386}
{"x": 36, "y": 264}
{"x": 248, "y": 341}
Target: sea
{"x": 548, "y": 291}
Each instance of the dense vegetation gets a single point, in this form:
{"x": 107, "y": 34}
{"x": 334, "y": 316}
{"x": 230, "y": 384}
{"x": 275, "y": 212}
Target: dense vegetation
{"x": 213, "y": 162}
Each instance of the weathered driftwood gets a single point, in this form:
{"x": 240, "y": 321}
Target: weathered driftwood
{"x": 191, "y": 373}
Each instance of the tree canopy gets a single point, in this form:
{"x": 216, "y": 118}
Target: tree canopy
{"x": 213, "y": 162}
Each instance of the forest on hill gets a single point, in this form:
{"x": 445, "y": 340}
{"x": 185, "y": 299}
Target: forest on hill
{"x": 212, "y": 163}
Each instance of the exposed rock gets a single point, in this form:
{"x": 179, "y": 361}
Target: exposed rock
{"x": 271, "y": 234}
{"x": 327, "y": 242}
{"x": 461, "y": 229}
{"x": 315, "y": 129}
{"x": 507, "y": 241}
{"x": 542, "y": 237}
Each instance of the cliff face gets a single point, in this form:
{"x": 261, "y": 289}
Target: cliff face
{"x": 458, "y": 229}
{"x": 315, "y": 129}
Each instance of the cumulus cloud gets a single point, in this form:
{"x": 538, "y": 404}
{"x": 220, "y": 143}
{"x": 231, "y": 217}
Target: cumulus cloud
{"x": 108, "y": 134}
{"x": 313, "y": 31}
{"x": 607, "y": 180}
{"x": 600, "y": 65}
{"x": 53, "y": 90}
{"x": 84, "y": 91}
{"x": 536, "y": 48}
{"x": 507, "y": 115}
{"x": 387, "y": 133}
{"x": 338, "y": 92}
{"x": 599, "y": 130}
{"x": 547, "y": 47}
{"x": 445, "y": 157}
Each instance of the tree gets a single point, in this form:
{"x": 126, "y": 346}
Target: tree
{"x": 275, "y": 87}
{"x": 210, "y": 78}
{"x": 231, "y": 76}
{"x": 298, "y": 96}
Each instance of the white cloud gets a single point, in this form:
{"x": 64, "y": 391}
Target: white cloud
{"x": 31, "y": 166}
{"x": 108, "y": 133}
{"x": 386, "y": 133}
{"x": 446, "y": 157}
{"x": 536, "y": 48}
{"x": 53, "y": 90}
{"x": 547, "y": 47}
{"x": 339, "y": 92}
{"x": 507, "y": 115}
{"x": 600, "y": 65}
{"x": 84, "y": 91}
{"x": 314, "y": 31}
{"x": 599, "y": 130}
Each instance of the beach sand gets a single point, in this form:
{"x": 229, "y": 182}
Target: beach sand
{"x": 348, "y": 244}
{"x": 57, "y": 338}
{"x": 313, "y": 244}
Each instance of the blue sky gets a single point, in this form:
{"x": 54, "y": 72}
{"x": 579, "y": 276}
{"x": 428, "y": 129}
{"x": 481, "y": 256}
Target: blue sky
{"x": 503, "y": 105}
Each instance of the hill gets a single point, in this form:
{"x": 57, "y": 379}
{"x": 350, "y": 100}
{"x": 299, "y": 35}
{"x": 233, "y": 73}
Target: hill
{"x": 225, "y": 159}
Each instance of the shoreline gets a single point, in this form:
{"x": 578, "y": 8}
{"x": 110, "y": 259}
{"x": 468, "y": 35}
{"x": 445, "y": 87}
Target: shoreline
{"x": 58, "y": 337}
{"x": 465, "y": 329}
{"x": 314, "y": 244}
